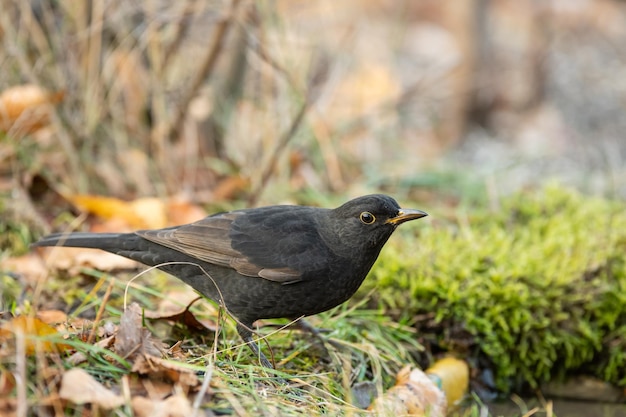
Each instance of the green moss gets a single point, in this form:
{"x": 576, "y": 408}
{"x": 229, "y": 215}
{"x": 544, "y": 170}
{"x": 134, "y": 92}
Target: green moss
{"x": 540, "y": 285}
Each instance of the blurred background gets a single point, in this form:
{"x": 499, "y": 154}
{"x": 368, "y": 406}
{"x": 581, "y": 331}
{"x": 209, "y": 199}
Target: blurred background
{"x": 275, "y": 101}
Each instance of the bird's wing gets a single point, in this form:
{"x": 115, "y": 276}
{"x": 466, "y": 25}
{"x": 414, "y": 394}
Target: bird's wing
{"x": 267, "y": 243}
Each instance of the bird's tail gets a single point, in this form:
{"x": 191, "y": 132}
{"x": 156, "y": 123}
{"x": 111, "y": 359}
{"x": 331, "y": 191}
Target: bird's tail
{"x": 105, "y": 241}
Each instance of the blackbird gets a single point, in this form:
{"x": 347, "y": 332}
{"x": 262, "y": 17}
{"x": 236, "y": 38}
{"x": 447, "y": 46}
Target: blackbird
{"x": 269, "y": 262}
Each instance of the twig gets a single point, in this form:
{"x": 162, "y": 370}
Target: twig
{"x": 197, "y": 402}
{"x": 105, "y": 299}
{"x": 208, "y": 373}
{"x": 20, "y": 374}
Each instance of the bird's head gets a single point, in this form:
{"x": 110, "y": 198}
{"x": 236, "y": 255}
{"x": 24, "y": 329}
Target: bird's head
{"x": 367, "y": 222}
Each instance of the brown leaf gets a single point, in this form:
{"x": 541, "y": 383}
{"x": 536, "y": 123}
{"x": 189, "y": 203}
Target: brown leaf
{"x": 172, "y": 312}
{"x": 151, "y": 388}
{"x": 174, "y": 406}
{"x": 132, "y": 338}
{"x": 187, "y": 318}
{"x": 52, "y": 316}
{"x": 29, "y": 266}
{"x": 7, "y": 383}
{"x": 164, "y": 370}
{"x": 25, "y": 107}
{"x": 79, "y": 387}
{"x": 64, "y": 324}
{"x": 79, "y": 326}
{"x": 176, "y": 297}
{"x": 8, "y": 406}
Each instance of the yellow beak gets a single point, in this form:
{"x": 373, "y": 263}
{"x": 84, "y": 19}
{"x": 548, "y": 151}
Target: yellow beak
{"x": 404, "y": 215}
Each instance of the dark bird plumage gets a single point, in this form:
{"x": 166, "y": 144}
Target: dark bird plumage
{"x": 267, "y": 262}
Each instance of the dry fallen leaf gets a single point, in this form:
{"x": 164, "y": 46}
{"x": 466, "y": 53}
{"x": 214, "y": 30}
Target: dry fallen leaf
{"x": 29, "y": 266}
{"x": 163, "y": 370}
{"x": 35, "y": 332}
{"x": 64, "y": 324}
{"x": 79, "y": 387}
{"x": 74, "y": 259}
{"x": 187, "y": 318}
{"x": 52, "y": 316}
{"x": 178, "y": 296}
{"x": 174, "y": 406}
{"x": 151, "y": 388}
{"x": 430, "y": 393}
{"x": 414, "y": 394}
{"x": 143, "y": 213}
{"x": 132, "y": 338}
{"x": 173, "y": 312}
{"x": 8, "y": 406}
{"x": 25, "y": 108}
{"x": 7, "y": 383}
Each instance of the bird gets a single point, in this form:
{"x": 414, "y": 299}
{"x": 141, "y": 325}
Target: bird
{"x": 281, "y": 261}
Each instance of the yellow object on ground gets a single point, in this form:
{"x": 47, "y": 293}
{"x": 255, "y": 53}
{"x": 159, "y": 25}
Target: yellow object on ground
{"x": 452, "y": 376}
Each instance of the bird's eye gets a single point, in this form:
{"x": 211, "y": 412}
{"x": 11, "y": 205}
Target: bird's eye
{"x": 367, "y": 217}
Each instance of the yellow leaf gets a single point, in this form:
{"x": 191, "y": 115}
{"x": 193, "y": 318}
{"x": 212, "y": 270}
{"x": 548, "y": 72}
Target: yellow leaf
{"x": 144, "y": 213}
{"x": 34, "y": 331}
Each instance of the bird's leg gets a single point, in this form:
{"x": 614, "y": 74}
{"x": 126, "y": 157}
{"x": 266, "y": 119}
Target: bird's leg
{"x": 307, "y": 327}
{"x": 246, "y": 334}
